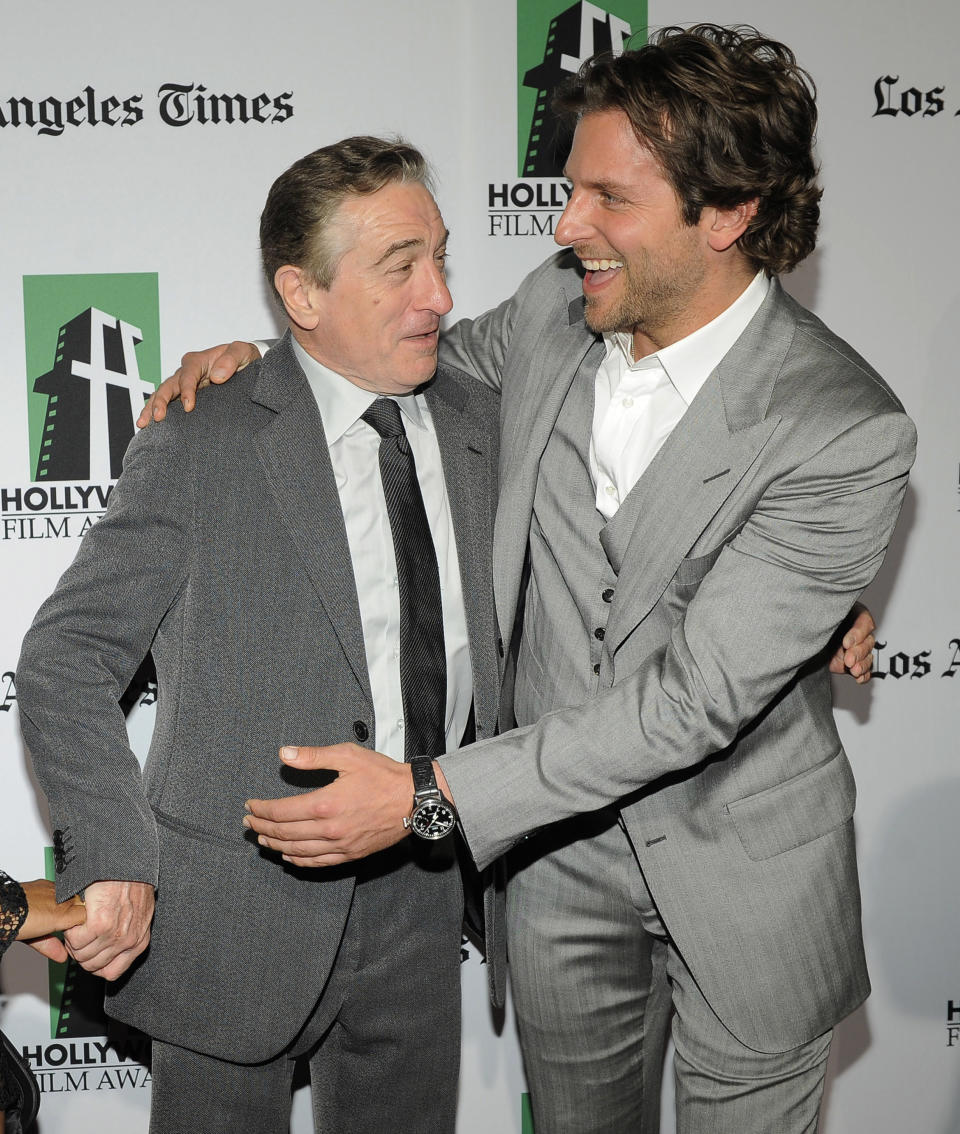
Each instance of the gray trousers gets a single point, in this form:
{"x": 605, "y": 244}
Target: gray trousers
{"x": 383, "y": 1041}
{"x": 597, "y": 984}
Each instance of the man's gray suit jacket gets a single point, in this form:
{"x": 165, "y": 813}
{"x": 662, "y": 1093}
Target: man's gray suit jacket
{"x": 757, "y": 525}
{"x": 224, "y": 550}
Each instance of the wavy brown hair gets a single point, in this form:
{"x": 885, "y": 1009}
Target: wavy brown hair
{"x": 730, "y": 116}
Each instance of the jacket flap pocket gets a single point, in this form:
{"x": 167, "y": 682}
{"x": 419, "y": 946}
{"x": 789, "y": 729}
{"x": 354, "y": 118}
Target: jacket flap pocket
{"x": 797, "y": 811}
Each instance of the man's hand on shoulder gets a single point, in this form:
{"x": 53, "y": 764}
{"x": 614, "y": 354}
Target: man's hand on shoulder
{"x": 117, "y": 929}
{"x": 197, "y": 369}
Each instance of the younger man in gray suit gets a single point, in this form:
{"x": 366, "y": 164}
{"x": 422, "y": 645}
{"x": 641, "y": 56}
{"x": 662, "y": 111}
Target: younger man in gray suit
{"x": 252, "y": 547}
{"x": 697, "y": 480}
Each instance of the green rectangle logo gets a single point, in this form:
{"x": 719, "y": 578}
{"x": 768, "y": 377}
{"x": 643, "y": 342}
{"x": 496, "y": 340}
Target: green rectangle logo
{"x": 552, "y": 45}
{"x": 93, "y": 357}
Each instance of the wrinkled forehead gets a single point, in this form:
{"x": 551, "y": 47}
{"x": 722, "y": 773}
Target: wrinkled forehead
{"x": 401, "y": 215}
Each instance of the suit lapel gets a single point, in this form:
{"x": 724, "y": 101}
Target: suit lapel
{"x": 296, "y": 460}
{"x": 703, "y": 460}
{"x": 565, "y": 347}
{"x": 465, "y": 443}
{"x": 676, "y": 498}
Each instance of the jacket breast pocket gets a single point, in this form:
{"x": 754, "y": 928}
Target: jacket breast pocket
{"x": 693, "y": 568}
{"x": 801, "y": 809}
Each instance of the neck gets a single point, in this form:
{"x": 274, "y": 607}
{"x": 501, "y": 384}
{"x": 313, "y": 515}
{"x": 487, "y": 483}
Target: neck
{"x": 710, "y": 301}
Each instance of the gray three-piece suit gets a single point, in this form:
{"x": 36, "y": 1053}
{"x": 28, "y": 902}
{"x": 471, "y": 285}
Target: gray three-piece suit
{"x": 224, "y": 551}
{"x": 671, "y": 675}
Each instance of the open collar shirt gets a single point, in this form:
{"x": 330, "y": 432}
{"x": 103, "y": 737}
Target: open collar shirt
{"x": 637, "y": 404}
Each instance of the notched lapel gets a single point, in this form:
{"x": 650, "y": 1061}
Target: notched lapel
{"x": 565, "y": 348}
{"x": 293, "y": 452}
{"x": 468, "y": 472}
{"x": 464, "y": 452}
{"x": 701, "y": 463}
{"x": 685, "y": 485}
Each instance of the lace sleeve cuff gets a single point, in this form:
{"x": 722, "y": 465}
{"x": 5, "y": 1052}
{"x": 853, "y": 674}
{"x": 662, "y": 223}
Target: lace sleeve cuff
{"x": 13, "y": 909}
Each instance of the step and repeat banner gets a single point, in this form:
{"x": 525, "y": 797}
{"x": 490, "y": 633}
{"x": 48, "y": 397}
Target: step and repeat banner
{"x": 138, "y": 144}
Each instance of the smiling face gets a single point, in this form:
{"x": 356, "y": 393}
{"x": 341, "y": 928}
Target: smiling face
{"x": 647, "y": 272}
{"x": 378, "y": 322}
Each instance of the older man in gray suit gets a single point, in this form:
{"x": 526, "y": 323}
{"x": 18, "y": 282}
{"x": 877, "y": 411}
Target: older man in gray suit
{"x": 697, "y": 479}
{"x": 254, "y": 548}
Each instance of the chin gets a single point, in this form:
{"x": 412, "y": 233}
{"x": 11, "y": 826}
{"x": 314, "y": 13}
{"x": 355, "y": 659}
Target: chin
{"x": 597, "y": 318}
{"x": 413, "y": 380}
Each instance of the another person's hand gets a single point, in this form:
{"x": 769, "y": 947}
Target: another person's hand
{"x": 117, "y": 928}
{"x": 197, "y": 369}
{"x": 45, "y": 917}
{"x": 361, "y": 812}
{"x": 855, "y": 653}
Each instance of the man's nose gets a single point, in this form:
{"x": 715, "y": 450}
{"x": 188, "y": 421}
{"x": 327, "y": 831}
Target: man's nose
{"x": 436, "y": 295}
{"x": 573, "y": 224}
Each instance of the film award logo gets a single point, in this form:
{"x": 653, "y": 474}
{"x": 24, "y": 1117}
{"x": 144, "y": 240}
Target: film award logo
{"x": 552, "y": 45}
{"x": 92, "y": 358}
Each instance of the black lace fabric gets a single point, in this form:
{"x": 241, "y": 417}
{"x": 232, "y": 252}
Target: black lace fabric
{"x": 13, "y": 909}
{"x": 13, "y": 912}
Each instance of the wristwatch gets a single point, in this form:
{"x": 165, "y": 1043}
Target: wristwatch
{"x": 433, "y": 817}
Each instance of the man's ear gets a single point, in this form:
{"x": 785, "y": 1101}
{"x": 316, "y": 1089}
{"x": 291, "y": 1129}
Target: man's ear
{"x": 726, "y": 226}
{"x": 301, "y": 296}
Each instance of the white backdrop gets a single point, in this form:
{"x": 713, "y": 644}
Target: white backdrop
{"x": 162, "y": 191}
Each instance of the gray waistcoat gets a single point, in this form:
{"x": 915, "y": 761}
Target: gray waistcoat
{"x": 571, "y": 579}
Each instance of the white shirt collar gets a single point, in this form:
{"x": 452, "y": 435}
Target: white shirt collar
{"x": 690, "y": 361}
{"x": 341, "y": 402}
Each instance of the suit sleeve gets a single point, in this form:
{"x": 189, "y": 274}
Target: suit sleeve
{"x": 769, "y": 604}
{"x": 479, "y": 346}
{"x": 83, "y": 649}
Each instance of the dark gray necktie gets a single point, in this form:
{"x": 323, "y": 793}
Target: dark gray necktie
{"x": 423, "y": 666}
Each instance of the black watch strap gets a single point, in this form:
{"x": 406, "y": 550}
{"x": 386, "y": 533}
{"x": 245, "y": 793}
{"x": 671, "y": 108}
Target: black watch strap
{"x": 433, "y": 816}
{"x": 424, "y": 777}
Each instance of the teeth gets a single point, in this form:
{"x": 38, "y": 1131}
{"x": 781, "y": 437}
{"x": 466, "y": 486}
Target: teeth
{"x": 601, "y": 265}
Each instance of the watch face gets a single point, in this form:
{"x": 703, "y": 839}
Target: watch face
{"x": 433, "y": 820}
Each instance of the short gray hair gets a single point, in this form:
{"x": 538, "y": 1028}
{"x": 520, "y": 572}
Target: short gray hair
{"x": 295, "y": 222}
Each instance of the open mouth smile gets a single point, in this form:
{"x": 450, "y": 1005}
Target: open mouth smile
{"x": 599, "y": 273}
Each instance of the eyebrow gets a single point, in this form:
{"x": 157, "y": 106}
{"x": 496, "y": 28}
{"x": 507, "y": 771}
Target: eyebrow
{"x": 618, "y": 188}
{"x": 413, "y": 242}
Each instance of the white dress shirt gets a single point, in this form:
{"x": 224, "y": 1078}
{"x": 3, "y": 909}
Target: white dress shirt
{"x": 638, "y": 404}
{"x": 354, "y": 447}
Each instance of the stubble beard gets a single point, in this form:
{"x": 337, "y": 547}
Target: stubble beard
{"x": 654, "y": 296}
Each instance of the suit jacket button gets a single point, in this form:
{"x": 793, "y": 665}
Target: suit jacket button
{"x": 59, "y": 855}
{"x": 599, "y": 633}
{"x": 360, "y": 731}
{"x": 607, "y": 595}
